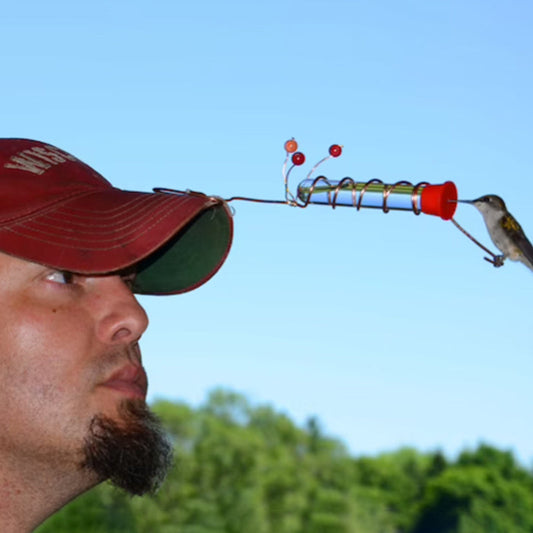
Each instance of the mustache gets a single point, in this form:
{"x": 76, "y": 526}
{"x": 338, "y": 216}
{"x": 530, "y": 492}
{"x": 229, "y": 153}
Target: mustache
{"x": 111, "y": 361}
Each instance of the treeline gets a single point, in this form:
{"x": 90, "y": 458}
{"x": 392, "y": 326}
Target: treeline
{"x": 248, "y": 469}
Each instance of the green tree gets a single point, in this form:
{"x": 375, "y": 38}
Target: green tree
{"x": 241, "y": 468}
{"x": 475, "y": 499}
{"x": 400, "y": 477}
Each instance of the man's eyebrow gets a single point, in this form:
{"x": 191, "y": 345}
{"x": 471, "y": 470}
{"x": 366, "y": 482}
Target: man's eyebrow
{"x": 130, "y": 272}
{"x": 128, "y": 277}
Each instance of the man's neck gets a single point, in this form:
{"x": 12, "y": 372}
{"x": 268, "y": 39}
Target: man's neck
{"x": 28, "y": 496}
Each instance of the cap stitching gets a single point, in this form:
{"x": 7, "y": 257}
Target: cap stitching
{"x": 43, "y": 210}
{"x": 98, "y": 233}
{"x": 117, "y": 245}
{"x": 114, "y": 212}
{"x": 129, "y": 218}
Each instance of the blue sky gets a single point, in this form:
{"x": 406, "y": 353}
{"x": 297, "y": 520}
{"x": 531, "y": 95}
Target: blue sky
{"x": 390, "y": 328}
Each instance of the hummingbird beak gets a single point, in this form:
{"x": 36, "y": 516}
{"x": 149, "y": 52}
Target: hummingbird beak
{"x": 465, "y": 201}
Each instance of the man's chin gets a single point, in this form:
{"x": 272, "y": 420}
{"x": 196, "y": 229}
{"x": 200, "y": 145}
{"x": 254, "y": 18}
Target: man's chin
{"x": 131, "y": 450}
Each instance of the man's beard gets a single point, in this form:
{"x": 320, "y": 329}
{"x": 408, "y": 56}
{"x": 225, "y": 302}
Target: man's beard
{"x": 134, "y": 453}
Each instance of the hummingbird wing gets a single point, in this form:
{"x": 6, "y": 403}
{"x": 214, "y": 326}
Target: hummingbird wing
{"x": 523, "y": 248}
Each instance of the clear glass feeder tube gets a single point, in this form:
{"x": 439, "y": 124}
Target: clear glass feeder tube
{"x": 437, "y": 200}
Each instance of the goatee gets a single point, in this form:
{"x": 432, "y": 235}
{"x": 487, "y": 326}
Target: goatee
{"x": 133, "y": 453}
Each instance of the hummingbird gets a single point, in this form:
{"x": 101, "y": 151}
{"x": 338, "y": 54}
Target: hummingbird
{"x": 505, "y": 232}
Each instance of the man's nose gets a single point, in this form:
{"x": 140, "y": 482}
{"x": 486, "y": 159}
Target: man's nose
{"x": 120, "y": 318}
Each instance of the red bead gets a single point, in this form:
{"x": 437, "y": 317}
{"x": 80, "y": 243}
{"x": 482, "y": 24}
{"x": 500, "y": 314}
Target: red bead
{"x": 335, "y": 150}
{"x": 291, "y": 146}
{"x": 298, "y": 158}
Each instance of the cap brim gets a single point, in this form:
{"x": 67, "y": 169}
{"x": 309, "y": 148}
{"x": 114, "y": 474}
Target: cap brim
{"x": 178, "y": 241}
{"x": 190, "y": 258}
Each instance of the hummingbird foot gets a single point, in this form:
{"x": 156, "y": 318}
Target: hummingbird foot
{"x": 497, "y": 260}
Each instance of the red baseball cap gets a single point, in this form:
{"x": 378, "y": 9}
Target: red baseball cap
{"x": 57, "y": 211}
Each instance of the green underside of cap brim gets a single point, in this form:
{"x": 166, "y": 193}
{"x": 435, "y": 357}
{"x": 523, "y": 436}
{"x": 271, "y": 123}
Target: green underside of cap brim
{"x": 190, "y": 258}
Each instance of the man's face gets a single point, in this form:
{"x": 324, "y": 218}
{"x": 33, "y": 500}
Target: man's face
{"x": 69, "y": 352}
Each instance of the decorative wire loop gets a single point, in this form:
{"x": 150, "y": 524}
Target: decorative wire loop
{"x": 416, "y": 195}
{"x": 338, "y": 189}
{"x": 364, "y": 189}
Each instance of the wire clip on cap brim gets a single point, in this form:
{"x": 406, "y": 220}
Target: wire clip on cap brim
{"x": 440, "y": 200}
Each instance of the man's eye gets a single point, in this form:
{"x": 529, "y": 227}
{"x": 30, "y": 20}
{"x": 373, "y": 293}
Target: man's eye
{"x": 59, "y": 276}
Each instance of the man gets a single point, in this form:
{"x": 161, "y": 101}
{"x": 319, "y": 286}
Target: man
{"x": 73, "y": 251}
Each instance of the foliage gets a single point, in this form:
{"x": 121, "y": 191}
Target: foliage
{"x": 241, "y": 468}
{"x": 486, "y": 491}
